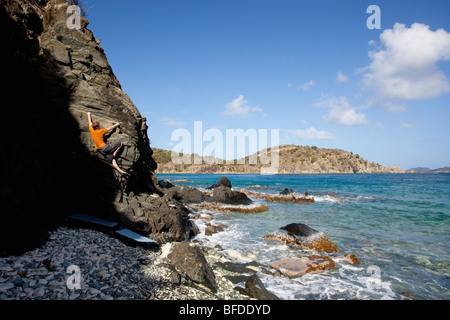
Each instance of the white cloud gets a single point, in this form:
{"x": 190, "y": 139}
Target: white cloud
{"x": 341, "y": 112}
{"x": 341, "y": 77}
{"x": 238, "y": 108}
{"x": 312, "y": 134}
{"x": 405, "y": 68}
{"x": 172, "y": 123}
{"x": 307, "y": 85}
{"x": 409, "y": 125}
{"x": 379, "y": 126}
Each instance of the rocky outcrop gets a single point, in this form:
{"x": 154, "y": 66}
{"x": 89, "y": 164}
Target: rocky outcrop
{"x": 289, "y": 196}
{"x": 222, "y": 198}
{"x": 55, "y": 75}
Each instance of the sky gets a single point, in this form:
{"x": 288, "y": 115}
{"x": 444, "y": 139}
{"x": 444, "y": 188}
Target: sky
{"x": 326, "y": 73}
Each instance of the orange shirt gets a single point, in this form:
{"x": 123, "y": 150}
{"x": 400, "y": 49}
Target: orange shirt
{"x": 97, "y": 136}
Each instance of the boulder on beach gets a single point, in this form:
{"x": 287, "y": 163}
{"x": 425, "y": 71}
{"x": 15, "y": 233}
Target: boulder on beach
{"x": 165, "y": 184}
{"x": 301, "y": 235}
{"x": 190, "y": 262}
{"x": 255, "y": 288}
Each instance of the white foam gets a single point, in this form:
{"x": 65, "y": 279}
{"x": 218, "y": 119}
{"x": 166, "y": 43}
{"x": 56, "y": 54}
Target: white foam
{"x": 346, "y": 282}
{"x": 328, "y": 198}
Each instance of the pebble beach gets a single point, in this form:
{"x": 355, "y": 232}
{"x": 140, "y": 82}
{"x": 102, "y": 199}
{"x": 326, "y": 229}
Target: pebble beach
{"x": 105, "y": 269}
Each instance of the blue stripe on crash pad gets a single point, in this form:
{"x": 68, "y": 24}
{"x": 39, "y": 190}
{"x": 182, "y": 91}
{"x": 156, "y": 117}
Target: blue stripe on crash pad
{"x": 134, "y": 236}
{"x": 95, "y": 220}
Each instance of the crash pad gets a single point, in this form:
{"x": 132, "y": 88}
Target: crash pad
{"x": 94, "y": 220}
{"x": 134, "y": 236}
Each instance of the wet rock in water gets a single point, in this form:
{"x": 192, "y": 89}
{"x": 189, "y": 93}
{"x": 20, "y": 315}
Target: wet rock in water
{"x": 214, "y": 228}
{"x": 251, "y": 208}
{"x": 190, "y": 262}
{"x": 299, "y": 266}
{"x": 284, "y": 196}
{"x": 257, "y": 186}
{"x": 225, "y": 195}
{"x": 349, "y": 259}
{"x": 187, "y": 194}
{"x": 301, "y": 235}
{"x": 223, "y": 181}
{"x": 286, "y": 192}
{"x": 299, "y": 230}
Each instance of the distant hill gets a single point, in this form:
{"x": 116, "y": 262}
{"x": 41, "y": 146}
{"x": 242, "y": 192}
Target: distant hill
{"x": 441, "y": 170}
{"x": 427, "y": 170}
{"x": 292, "y": 160}
{"x": 419, "y": 170}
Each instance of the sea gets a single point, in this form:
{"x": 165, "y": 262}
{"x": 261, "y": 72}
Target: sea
{"x": 397, "y": 225}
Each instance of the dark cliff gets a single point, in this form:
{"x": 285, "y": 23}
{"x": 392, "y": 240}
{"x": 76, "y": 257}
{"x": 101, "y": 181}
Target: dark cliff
{"x": 52, "y": 76}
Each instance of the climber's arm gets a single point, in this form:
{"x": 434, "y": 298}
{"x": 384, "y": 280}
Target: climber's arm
{"x": 89, "y": 119}
{"x": 113, "y": 127}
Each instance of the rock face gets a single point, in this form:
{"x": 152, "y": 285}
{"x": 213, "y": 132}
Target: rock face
{"x": 55, "y": 75}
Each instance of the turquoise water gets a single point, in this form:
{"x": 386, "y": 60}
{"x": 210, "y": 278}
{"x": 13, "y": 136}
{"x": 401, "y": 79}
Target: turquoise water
{"x": 397, "y": 225}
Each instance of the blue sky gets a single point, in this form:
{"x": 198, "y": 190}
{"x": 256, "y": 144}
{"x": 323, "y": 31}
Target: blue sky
{"x": 312, "y": 69}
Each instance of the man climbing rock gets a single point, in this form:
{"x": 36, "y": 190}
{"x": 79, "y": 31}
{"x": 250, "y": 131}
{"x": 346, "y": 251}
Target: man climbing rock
{"x": 111, "y": 150}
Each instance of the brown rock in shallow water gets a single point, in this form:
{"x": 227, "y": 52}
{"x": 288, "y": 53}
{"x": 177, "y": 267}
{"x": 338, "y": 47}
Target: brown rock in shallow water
{"x": 301, "y": 235}
{"x": 214, "y": 228}
{"x": 349, "y": 258}
{"x": 253, "y": 208}
{"x": 298, "y": 266}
